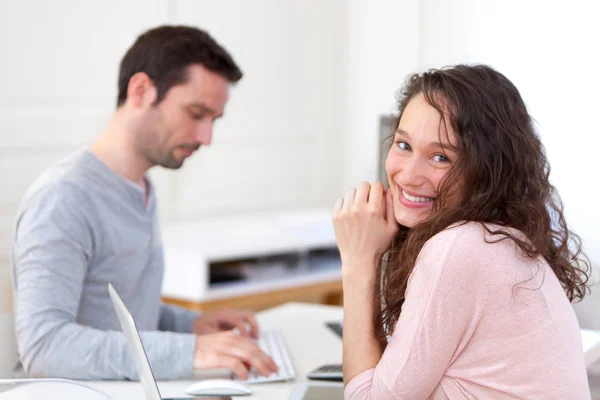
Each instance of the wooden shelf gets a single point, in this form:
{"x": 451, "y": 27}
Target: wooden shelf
{"x": 321, "y": 293}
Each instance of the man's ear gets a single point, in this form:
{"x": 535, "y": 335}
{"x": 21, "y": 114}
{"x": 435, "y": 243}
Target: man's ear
{"x": 141, "y": 90}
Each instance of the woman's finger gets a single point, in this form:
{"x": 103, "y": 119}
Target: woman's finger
{"x": 362, "y": 193}
{"x": 338, "y": 206}
{"x": 376, "y": 198}
{"x": 349, "y": 199}
{"x": 389, "y": 208}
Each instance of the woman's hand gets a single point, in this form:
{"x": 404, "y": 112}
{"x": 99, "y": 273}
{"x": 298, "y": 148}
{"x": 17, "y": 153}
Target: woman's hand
{"x": 364, "y": 225}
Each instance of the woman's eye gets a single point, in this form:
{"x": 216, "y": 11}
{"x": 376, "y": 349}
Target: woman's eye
{"x": 441, "y": 158}
{"x": 197, "y": 116}
{"x": 403, "y": 145}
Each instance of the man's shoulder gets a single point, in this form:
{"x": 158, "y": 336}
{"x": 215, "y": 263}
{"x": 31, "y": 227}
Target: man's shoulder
{"x": 65, "y": 182}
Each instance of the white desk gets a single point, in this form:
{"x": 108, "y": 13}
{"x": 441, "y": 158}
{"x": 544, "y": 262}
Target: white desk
{"x": 309, "y": 340}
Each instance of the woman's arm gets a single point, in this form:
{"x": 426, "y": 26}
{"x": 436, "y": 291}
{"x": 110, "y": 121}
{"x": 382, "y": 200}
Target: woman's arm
{"x": 442, "y": 309}
{"x": 361, "y": 349}
{"x": 364, "y": 226}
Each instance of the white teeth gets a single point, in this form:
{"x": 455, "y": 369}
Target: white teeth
{"x": 416, "y": 199}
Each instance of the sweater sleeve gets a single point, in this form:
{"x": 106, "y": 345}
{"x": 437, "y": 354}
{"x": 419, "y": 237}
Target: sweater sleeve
{"x": 176, "y": 319}
{"x": 52, "y": 246}
{"x": 437, "y": 319}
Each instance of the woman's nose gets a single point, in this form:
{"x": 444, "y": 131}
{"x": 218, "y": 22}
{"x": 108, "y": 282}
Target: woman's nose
{"x": 412, "y": 172}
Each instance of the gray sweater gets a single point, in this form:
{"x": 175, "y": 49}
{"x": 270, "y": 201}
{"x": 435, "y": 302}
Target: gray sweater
{"x": 79, "y": 227}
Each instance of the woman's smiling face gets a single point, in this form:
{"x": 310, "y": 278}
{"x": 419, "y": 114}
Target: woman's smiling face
{"x": 422, "y": 154}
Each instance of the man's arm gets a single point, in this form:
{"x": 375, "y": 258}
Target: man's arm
{"x": 52, "y": 246}
{"x": 176, "y": 319}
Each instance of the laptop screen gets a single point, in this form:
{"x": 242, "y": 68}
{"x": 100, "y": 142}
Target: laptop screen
{"x": 136, "y": 349}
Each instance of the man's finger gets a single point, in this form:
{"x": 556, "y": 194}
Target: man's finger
{"x": 264, "y": 365}
{"x": 251, "y": 319}
{"x": 249, "y": 352}
{"x": 207, "y": 329}
{"x": 240, "y": 325}
{"x": 234, "y": 364}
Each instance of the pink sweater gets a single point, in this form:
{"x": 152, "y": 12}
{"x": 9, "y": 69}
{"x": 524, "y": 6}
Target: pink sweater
{"x": 479, "y": 323}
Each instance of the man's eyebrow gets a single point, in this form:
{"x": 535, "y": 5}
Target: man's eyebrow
{"x": 204, "y": 108}
{"x": 444, "y": 146}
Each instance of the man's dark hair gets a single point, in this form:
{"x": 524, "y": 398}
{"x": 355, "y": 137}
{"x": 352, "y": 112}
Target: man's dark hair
{"x": 164, "y": 53}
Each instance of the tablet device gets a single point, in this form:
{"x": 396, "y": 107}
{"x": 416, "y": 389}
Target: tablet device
{"x": 327, "y": 372}
{"x": 318, "y": 391}
{"x": 336, "y": 326}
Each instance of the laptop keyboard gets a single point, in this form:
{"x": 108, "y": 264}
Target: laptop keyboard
{"x": 273, "y": 344}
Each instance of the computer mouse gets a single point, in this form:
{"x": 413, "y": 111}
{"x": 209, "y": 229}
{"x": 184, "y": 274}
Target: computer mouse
{"x": 218, "y": 387}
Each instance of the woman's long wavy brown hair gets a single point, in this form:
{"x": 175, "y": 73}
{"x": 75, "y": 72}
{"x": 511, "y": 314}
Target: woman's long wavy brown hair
{"x": 503, "y": 175}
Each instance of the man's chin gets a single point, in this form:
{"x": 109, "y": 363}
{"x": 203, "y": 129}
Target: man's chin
{"x": 172, "y": 163}
{"x": 173, "y": 166}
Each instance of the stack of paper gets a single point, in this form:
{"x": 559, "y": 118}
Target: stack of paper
{"x": 591, "y": 345}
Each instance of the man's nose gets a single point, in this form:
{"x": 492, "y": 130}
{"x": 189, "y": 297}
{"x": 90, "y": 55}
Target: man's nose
{"x": 204, "y": 133}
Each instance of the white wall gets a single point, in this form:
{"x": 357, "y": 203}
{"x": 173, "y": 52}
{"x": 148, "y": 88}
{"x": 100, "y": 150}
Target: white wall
{"x": 383, "y": 47}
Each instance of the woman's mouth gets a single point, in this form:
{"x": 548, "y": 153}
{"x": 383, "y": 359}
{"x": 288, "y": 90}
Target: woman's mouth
{"x": 414, "y": 200}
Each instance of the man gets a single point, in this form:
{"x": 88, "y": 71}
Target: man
{"x": 92, "y": 219}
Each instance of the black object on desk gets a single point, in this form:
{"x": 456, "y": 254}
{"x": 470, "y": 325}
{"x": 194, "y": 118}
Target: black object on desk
{"x": 335, "y": 326}
{"x": 327, "y": 372}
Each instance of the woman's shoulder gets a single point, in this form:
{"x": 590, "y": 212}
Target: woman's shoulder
{"x": 470, "y": 241}
{"x": 463, "y": 233}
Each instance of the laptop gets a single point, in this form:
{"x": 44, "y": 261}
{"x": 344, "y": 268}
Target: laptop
{"x": 136, "y": 349}
{"x": 318, "y": 391}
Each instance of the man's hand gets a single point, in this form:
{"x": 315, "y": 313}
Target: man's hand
{"x": 232, "y": 351}
{"x": 224, "y": 320}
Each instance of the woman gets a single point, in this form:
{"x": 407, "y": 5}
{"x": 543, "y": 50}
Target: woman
{"x": 474, "y": 294}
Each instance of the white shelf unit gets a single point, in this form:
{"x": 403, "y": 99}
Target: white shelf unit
{"x": 299, "y": 246}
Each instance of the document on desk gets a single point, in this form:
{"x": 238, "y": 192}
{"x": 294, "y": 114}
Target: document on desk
{"x": 318, "y": 391}
{"x": 48, "y": 390}
{"x": 591, "y": 345}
